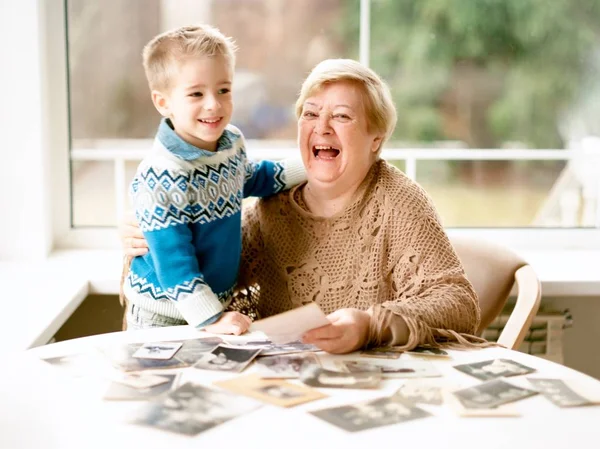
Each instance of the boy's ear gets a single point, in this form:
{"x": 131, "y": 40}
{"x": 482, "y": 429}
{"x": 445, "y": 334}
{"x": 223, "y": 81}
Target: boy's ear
{"x": 161, "y": 103}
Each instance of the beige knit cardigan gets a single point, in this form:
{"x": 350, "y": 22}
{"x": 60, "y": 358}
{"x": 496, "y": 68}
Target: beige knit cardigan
{"x": 387, "y": 251}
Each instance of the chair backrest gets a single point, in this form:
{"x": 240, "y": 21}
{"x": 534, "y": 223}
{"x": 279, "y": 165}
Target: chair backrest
{"x": 492, "y": 270}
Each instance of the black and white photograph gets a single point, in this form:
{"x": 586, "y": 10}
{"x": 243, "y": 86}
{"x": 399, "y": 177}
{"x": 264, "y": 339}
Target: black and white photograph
{"x": 269, "y": 348}
{"x": 192, "y": 350}
{"x": 420, "y": 392}
{"x": 191, "y": 409}
{"x": 323, "y": 378}
{"x": 409, "y": 369}
{"x": 285, "y": 366}
{"x": 118, "y": 391}
{"x": 157, "y": 351}
{"x": 381, "y": 353}
{"x": 227, "y": 358}
{"x": 121, "y": 356}
{"x": 428, "y": 351}
{"x": 491, "y": 394}
{"x": 559, "y": 393}
{"x": 272, "y": 391}
{"x": 353, "y": 366}
{"x": 367, "y": 415}
{"x": 493, "y": 369}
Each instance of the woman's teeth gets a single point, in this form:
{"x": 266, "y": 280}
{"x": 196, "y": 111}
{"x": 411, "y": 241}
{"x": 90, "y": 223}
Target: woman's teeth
{"x": 326, "y": 152}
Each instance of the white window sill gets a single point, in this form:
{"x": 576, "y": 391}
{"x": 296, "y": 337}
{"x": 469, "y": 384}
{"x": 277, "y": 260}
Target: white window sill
{"x": 40, "y": 297}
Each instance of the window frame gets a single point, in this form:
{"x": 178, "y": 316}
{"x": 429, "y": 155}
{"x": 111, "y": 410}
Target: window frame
{"x": 55, "y": 109}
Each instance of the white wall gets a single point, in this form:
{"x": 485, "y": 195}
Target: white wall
{"x": 24, "y": 232}
{"x": 33, "y": 125}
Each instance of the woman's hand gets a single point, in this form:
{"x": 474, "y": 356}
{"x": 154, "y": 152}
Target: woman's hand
{"x": 230, "y": 323}
{"x": 132, "y": 238}
{"x": 348, "y": 331}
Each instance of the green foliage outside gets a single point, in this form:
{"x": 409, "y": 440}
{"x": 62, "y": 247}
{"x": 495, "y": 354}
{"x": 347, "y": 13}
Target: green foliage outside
{"x": 483, "y": 72}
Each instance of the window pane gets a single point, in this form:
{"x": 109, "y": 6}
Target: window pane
{"x": 501, "y": 193}
{"x": 493, "y": 74}
{"x": 279, "y": 42}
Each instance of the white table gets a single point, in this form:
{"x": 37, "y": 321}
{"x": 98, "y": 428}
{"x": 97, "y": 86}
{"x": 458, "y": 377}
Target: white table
{"x": 44, "y": 408}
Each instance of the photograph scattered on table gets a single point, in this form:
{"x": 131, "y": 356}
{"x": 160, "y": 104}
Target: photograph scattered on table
{"x": 285, "y": 366}
{"x": 269, "y": 348}
{"x": 191, "y": 409}
{"x": 559, "y": 392}
{"x": 157, "y": 351}
{"x": 193, "y": 349}
{"x": 381, "y": 353}
{"x": 272, "y": 391}
{"x": 492, "y": 393}
{"x": 395, "y": 369}
{"x": 315, "y": 376}
{"x": 428, "y": 351}
{"x": 227, "y": 358}
{"x": 120, "y": 392}
{"x": 420, "y": 392}
{"x": 493, "y": 369}
{"x": 367, "y": 415}
{"x": 121, "y": 357}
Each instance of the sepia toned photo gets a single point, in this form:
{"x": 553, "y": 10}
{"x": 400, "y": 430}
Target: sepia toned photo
{"x": 272, "y": 391}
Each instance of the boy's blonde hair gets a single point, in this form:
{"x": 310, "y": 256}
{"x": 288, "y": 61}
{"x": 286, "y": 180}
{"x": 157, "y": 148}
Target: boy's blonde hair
{"x": 164, "y": 52}
{"x": 379, "y": 107}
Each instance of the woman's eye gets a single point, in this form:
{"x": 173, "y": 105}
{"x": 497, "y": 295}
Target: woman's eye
{"x": 341, "y": 117}
{"x": 309, "y": 114}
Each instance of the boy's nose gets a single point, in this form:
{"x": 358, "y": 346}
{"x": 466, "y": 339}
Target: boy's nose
{"x": 211, "y": 102}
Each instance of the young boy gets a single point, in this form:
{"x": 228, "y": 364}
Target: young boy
{"x": 188, "y": 191}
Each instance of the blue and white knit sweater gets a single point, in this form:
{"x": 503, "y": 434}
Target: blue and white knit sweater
{"x": 188, "y": 204}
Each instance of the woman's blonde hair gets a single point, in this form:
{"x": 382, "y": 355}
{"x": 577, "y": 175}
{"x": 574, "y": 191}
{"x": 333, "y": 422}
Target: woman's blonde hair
{"x": 164, "y": 52}
{"x": 379, "y": 107}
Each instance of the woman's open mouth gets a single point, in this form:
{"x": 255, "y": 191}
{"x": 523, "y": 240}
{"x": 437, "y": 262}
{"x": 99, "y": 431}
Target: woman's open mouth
{"x": 325, "y": 152}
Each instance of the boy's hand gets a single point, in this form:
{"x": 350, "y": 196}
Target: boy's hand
{"x": 230, "y": 323}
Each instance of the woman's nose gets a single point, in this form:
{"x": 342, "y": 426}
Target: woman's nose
{"x": 322, "y": 126}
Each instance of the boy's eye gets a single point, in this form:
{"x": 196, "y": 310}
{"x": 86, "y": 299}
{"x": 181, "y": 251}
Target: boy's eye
{"x": 196, "y": 94}
{"x": 225, "y": 90}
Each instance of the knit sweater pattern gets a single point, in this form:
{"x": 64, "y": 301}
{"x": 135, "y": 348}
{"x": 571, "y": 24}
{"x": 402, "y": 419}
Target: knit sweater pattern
{"x": 188, "y": 204}
{"x": 386, "y": 252}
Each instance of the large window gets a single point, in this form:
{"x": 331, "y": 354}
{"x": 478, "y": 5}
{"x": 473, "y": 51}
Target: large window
{"x": 496, "y": 99}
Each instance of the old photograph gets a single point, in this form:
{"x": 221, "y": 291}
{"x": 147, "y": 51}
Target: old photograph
{"x": 493, "y": 369}
{"x": 157, "y": 351}
{"x": 191, "y": 409}
{"x": 370, "y": 414}
{"x": 285, "y": 366}
{"x": 226, "y": 358}
{"x": 559, "y": 393}
{"x": 193, "y": 350}
{"x": 323, "y": 378}
{"x": 118, "y": 391}
{"x": 492, "y": 394}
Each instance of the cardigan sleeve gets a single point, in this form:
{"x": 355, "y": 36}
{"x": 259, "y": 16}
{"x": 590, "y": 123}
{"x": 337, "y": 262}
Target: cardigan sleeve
{"x": 165, "y": 224}
{"x": 431, "y": 297}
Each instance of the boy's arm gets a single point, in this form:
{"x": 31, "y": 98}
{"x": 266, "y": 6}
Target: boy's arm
{"x": 267, "y": 177}
{"x": 166, "y": 229}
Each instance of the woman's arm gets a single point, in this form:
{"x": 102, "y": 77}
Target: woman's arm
{"x": 431, "y": 299}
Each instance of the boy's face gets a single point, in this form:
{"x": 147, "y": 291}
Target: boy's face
{"x": 199, "y": 103}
